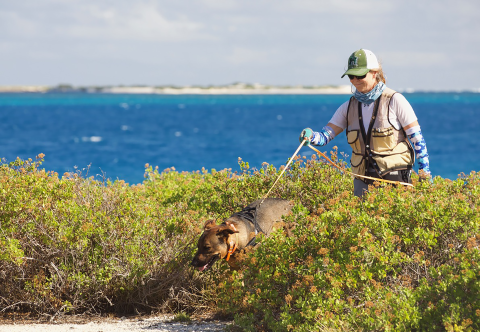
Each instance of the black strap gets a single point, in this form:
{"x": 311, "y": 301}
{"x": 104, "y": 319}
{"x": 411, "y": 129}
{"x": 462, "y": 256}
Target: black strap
{"x": 366, "y": 135}
{"x": 348, "y": 110}
{"x": 252, "y": 242}
{"x": 251, "y": 215}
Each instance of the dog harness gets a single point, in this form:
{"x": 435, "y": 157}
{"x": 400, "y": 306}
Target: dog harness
{"x": 251, "y": 215}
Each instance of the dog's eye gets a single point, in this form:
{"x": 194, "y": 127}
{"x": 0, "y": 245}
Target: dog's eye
{"x": 206, "y": 248}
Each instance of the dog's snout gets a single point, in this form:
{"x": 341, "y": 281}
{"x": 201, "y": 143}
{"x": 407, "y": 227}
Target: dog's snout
{"x": 194, "y": 261}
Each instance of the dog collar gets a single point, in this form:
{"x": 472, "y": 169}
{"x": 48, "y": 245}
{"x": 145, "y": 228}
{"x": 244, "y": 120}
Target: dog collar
{"x": 232, "y": 246}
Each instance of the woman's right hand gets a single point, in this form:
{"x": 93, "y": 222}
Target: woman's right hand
{"x": 306, "y": 136}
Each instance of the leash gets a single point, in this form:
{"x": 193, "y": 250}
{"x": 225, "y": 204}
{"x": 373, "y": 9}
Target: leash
{"x": 252, "y": 241}
{"x": 254, "y": 219}
{"x": 283, "y": 171}
{"x": 357, "y": 175}
{"x": 332, "y": 163}
{"x": 232, "y": 246}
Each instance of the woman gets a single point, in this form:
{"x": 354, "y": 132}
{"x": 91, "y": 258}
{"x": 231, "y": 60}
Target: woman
{"x": 377, "y": 121}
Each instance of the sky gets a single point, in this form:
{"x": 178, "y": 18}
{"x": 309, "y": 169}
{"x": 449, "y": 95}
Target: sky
{"x": 422, "y": 44}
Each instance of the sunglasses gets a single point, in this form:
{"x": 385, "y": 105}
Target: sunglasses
{"x": 357, "y": 77}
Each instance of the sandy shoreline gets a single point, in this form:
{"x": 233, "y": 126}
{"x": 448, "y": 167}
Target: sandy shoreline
{"x": 236, "y": 89}
{"x": 222, "y": 90}
{"x": 230, "y": 90}
{"x": 156, "y": 323}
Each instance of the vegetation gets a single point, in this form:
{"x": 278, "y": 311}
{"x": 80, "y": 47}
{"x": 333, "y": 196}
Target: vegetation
{"x": 402, "y": 259}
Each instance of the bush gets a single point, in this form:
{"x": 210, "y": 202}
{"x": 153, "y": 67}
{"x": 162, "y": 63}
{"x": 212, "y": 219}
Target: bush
{"x": 400, "y": 259}
{"x": 83, "y": 246}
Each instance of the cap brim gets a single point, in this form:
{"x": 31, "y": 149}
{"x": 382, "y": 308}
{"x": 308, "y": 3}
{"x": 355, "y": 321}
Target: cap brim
{"x": 356, "y": 72}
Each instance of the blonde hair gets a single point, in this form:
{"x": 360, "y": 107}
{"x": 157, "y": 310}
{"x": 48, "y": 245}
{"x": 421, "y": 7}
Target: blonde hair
{"x": 381, "y": 77}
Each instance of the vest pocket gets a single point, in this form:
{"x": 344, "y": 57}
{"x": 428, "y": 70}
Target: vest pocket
{"x": 383, "y": 139}
{"x": 398, "y": 158}
{"x": 353, "y": 140}
{"x": 358, "y": 164}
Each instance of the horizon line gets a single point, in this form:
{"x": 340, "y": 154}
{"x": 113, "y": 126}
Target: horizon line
{"x": 233, "y": 88}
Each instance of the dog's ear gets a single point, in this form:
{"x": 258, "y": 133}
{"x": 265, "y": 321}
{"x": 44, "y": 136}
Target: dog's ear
{"x": 209, "y": 224}
{"x": 231, "y": 226}
{"x": 227, "y": 229}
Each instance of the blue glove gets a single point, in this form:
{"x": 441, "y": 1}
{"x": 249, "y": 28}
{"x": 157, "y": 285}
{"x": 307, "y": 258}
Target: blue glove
{"x": 306, "y": 136}
{"x": 416, "y": 137}
{"x": 317, "y": 138}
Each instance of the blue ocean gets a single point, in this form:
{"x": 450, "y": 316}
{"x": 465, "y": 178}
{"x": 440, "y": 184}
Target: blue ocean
{"x": 115, "y": 135}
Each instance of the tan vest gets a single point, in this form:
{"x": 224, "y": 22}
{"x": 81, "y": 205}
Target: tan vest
{"x": 387, "y": 148}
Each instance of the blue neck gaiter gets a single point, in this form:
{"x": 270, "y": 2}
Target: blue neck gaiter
{"x": 371, "y": 96}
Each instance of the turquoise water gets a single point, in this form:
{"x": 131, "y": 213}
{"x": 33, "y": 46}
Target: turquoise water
{"x": 117, "y": 134}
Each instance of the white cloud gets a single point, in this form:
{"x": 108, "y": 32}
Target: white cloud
{"x": 415, "y": 59}
{"x": 97, "y": 20}
{"x": 219, "y": 41}
{"x": 224, "y": 5}
{"x": 242, "y": 56}
{"x": 354, "y": 8}
{"x": 143, "y": 22}
{"x": 13, "y": 23}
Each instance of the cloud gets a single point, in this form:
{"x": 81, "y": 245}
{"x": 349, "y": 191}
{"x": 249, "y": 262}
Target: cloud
{"x": 242, "y": 56}
{"x": 334, "y": 7}
{"x": 222, "y": 5}
{"x": 100, "y": 20}
{"x": 144, "y": 22}
{"x": 218, "y": 41}
{"x": 416, "y": 59}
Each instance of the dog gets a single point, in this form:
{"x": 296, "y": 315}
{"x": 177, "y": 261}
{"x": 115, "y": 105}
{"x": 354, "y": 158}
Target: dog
{"x": 226, "y": 240}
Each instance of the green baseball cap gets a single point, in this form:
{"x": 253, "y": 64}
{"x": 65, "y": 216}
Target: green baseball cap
{"x": 361, "y": 62}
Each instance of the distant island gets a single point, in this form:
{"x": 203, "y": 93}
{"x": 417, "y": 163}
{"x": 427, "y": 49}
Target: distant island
{"x": 234, "y": 88}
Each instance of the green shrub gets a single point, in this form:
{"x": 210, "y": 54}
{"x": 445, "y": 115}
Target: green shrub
{"x": 182, "y": 318}
{"x": 399, "y": 260}
{"x": 79, "y": 245}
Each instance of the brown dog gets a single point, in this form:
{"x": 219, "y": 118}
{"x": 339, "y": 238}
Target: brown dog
{"x": 237, "y": 232}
